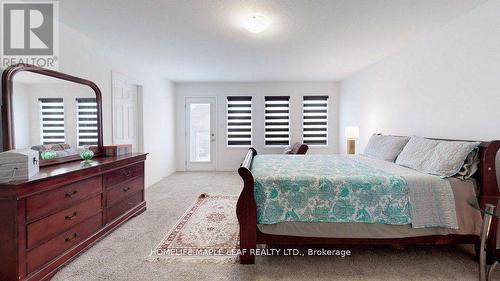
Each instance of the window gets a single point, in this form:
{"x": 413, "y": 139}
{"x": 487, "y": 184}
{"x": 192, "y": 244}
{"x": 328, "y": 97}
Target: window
{"x": 277, "y": 120}
{"x": 239, "y": 121}
{"x": 87, "y": 121}
{"x": 52, "y": 120}
{"x": 315, "y": 118}
{"x": 199, "y": 121}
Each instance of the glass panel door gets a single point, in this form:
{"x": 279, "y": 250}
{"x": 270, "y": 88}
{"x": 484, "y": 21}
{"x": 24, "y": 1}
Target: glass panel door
{"x": 199, "y": 129}
{"x": 200, "y": 136}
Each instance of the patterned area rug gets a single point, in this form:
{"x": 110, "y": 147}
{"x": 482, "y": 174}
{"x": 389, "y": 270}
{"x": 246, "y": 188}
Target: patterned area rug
{"x": 207, "y": 232}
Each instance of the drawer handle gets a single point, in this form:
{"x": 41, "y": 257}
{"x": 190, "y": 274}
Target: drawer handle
{"x": 69, "y": 217}
{"x": 68, "y": 239}
{"x": 126, "y": 189}
{"x": 127, "y": 173}
{"x": 71, "y": 194}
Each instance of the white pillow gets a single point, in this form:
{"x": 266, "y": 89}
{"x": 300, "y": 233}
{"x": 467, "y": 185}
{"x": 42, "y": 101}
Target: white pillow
{"x": 416, "y": 153}
{"x": 441, "y": 158}
{"x": 385, "y": 147}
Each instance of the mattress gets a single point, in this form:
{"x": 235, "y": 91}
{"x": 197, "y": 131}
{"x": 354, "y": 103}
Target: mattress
{"x": 468, "y": 220}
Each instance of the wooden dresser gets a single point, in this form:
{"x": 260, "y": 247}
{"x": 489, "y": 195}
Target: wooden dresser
{"x": 49, "y": 219}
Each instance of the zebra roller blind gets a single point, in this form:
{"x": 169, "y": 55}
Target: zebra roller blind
{"x": 87, "y": 121}
{"x": 277, "y": 120}
{"x": 315, "y": 120}
{"x": 239, "y": 121}
{"x": 51, "y": 120}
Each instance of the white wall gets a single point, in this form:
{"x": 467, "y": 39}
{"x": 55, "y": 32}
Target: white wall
{"x": 82, "y": 56}
{"x": 444, "y": 85}
{"x": 229, "y": 159}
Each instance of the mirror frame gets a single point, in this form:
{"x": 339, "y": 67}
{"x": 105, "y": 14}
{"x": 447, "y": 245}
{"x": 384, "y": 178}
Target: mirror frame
{"x": 7, "y": 113}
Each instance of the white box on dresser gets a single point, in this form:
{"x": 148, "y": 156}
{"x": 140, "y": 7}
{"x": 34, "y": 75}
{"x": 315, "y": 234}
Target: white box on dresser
{"x": 18, "y": 164}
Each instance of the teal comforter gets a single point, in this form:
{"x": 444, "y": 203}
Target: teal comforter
{"x": 327, "y": 188}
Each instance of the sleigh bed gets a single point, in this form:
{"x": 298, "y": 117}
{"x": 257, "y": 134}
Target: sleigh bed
{"x": 282, "y": 199}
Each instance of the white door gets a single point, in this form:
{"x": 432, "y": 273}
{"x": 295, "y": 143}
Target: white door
{"x": 200, "y": 134}
{"x": 125, "y": 113}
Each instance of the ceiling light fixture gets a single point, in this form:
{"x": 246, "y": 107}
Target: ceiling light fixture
{"x": 256, "y": 23}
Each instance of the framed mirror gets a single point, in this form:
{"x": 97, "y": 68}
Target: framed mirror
{"x": 56, "y": 114}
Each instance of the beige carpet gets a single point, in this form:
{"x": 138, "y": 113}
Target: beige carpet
{"x": 123, "y": 254}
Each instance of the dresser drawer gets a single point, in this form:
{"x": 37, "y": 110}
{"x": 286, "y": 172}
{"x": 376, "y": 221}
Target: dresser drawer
{"x": 124, "y": 205}
{"x": 62, "y": 242}
{"x": 65, "y": 219}
{"x": 119, "y": 192}
{"x": 65, "y": 196}
{"x": 123, "y": 174}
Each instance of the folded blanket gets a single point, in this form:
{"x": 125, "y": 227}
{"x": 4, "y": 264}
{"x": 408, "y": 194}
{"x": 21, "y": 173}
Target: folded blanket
{"x": 431, "y": 197}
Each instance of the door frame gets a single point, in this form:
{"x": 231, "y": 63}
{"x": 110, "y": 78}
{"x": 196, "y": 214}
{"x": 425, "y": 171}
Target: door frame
{"x": 203, "y": 166}
{"x": 115, "y": 77}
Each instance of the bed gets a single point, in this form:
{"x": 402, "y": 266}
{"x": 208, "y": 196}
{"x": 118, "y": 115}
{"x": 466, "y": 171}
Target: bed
{"x": 312, "y": 200}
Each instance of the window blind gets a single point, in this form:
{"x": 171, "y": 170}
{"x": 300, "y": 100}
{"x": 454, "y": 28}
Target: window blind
{"x": 277, "y": 120}
{"x": 87, "y": 121}
{"x": 52, "y": 120}
{"x": 315, "y": 120}
{"x": 239, "y": 121}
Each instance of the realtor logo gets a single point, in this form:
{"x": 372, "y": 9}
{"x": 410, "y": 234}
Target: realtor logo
{"x": 29, "y": 33}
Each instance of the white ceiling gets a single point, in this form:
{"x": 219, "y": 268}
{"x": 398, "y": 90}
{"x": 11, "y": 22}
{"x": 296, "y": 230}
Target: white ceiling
{"x": 201, "y": 40}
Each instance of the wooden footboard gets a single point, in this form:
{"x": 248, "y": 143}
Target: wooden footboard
{"x": 246, "y": 212}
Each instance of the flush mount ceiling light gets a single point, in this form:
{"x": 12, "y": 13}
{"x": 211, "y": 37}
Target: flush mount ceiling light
{"x": 256, "y": 23}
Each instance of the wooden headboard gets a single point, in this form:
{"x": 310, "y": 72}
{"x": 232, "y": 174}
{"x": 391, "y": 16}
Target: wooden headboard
{"x": 487, "y": 175}
{"x": 489, "y": 186}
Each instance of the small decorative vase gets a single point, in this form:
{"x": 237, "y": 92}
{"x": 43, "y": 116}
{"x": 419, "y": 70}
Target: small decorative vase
{"x": 86, "y": 155}
{"x": 48, "y": 154}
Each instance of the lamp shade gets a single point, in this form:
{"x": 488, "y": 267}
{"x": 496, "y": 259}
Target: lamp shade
{"x": 351, "y": 133}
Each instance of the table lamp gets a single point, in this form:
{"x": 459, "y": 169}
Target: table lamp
{"x": 351, "y": 134}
